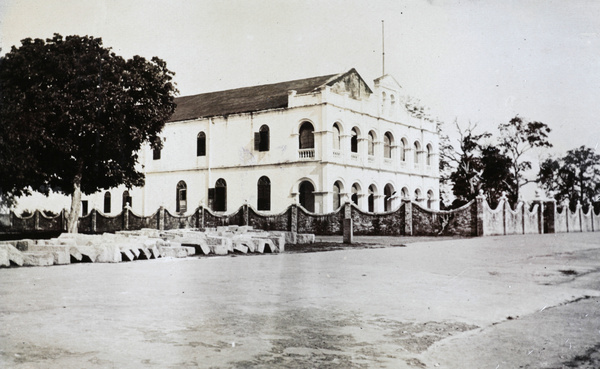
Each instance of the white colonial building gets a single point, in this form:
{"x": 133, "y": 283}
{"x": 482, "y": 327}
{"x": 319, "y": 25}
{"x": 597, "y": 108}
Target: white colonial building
{"x": 317, "y": 141}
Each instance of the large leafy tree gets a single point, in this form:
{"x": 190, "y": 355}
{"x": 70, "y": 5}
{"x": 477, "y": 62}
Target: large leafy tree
{"x": 73, "y": 116}
{"x": 495, "y": 176}
{"x": 517, "y": 138}
{"x": 465, "y": 159}
{"x": 575, "y": 176}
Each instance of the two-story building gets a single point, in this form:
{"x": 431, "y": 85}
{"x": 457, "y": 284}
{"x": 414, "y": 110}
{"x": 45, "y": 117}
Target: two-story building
{"x": 317, "y": 141}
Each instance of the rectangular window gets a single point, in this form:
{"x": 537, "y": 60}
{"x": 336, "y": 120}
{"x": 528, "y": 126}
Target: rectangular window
{"x": 156, "y": 154}
{"x": 84, "y": 208}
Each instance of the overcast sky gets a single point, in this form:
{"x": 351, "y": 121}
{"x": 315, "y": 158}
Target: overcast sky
{"x": 478, "y": 61}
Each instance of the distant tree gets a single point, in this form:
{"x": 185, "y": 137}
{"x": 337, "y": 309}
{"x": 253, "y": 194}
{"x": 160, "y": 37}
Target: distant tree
{"x": 575, "y": 176}
{"x": 73, "y": 116}
{"x": 517, "y": 137}
{"x": 466, "y": 161}
{"x": 495, "y": 176}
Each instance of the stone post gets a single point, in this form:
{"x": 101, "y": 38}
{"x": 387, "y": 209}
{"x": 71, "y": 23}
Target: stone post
{"x": 126, "y": 216}
{"x": 36, "y": 219}
{"x": 540, "y": 203}
{"x": 480, "y": 213}
{"x": 202, "y": 225}
{"x": 348, "y": 226}
{"x": 550, "y": 216}
{"x": 579, "y": 211}
{"x": 161, "y": 218}
{"x": 566, "y": 211}
{"x": 245, "y": 210}
{"x": 408, "y": 221}
{"x": 294, "y": 222}
{"x": 504, "y": 203}
{"x": 94, "y": 220}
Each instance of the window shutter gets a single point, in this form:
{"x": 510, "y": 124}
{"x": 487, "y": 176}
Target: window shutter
{"x": 256, "y": 141}
{"x": 211, "y": 193}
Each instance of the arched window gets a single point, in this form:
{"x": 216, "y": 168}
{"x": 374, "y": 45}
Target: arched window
{"x": 126, "y": 199}
{"x": 337, "y": 196}
{"x": 354, "y": 140}
{"x": 403, "y": 149}
{"x": 107, "y": 202}
{"x": 383, "y": 101}
{"x": 392, "y": 102}
{"x": 201, "y": 144}
{"x": 263, "y": 193}
{"x": 371, "y": 199}
{"x": 220, "y": 197}
{"x": 371, "y": 147}
{"x": 261, "y": 139}
{"x": 417, "y": 147}
{"x": 388, "y": 141}
{"x": 429, "y": 154}
{"x": 418, "y": 195}
{"x": 336, "y": 137}
{"x": 429, "y": 199}
{"x": 405, "y": 193}
{"x": 307, "y": 137}
{"x": 388, "y": 192}
{"x": 181, "y": 197}
{"x": 307, "y": 195}
{"x": 355, "y": 192}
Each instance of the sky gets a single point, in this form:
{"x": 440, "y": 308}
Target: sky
{"x": 482, "y": 62}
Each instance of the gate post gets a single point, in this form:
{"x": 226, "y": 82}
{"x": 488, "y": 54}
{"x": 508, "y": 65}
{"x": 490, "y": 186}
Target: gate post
{"x": 480, "y": 213}
{"x": 408, "y": 221}
{"x": 348, "y": 228}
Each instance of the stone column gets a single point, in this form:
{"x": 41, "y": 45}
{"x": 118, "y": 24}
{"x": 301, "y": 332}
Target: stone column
{"x": 94, "y": 220}
{"x": 161, "y": 218}
{"x": 408, "y": 221}
{"x": 480, "y": 213}
{"x": 348, "y": 227}
{"x": 503, "y": 202}
{"x": 36, "y": 219}
{"x": 126, "y": 217}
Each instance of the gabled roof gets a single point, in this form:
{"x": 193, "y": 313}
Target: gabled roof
{"x": 246, "y": 99}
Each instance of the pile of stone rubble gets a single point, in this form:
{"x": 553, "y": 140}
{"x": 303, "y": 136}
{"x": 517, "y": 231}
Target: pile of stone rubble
{"x": 144, "y": 244}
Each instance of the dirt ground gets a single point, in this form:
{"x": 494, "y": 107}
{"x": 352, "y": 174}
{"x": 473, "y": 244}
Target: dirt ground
{"x": 495, "y": 302}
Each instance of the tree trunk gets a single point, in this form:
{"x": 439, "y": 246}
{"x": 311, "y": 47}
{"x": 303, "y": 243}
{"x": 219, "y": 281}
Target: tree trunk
{"x": 73, "y": 218}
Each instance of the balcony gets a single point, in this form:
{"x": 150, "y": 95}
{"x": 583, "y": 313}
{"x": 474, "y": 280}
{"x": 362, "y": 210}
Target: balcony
{"x": 306, "y": 153}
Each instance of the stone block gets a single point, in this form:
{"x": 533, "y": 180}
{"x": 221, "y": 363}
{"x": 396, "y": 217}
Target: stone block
{"x": 108, "y": 253}
{"x": 61, "y": 252}
{"x": 304, "y": 238}
{"x": 240, "y": 248}
{"x": 38, "y": 258}
{"x": 88, "y": 253}
{"x": 75, "y": 255}
{"x": 174, "y": 252}
{"x": 23, "y": 245}
{"x": 10, "y": 254}
{"x": 219, "y": 249}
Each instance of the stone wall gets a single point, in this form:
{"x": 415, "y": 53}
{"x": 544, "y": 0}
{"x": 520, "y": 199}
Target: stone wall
{"x": 473, "y": 219}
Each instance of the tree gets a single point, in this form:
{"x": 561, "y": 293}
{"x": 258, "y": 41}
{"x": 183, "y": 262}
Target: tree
{"x": 575, "y": 176}
{"x": 74, "y": 116}
{"x": 517, "y": 137}
{"x": 466, "y": 161}
{"x": 495, "y": 176}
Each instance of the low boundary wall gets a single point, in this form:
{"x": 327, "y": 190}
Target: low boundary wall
{"x": 476, "y": 218}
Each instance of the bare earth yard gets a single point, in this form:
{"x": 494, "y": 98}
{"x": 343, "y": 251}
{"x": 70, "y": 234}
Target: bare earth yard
{"x": 495, "y": 302}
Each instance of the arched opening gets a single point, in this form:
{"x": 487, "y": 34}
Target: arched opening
{"x": 355, "y": 193}
{"x": 371, "y": 143}
{"x": 388, "y": 141}
{"x": 263, "y": 138}
{"x": 403, "y": 149}
{"x": 220, "y": 202}
{"x": 307, "y": 137}
{"x": 336, "y": 137}
{"x": 337, "y": 195}
{"x": 417, "y": 148}
{"x": 405, "y": 193}
{"x": 371, "y": 199}
{"x": 306, "y": 193}
{"x": 430, "y": 199}
{"x": 429, "y": 154}
{"x": 106, "y": 203}
{"x": 263, "y": 194}
{"x": 201, "y": 144}
{"x": 388, "y": 192}
{"x": 418, "y": 196}
{"x": 354, "y": 141}
{"x": 181, "y": 197}
{"x": 126, "y": 199}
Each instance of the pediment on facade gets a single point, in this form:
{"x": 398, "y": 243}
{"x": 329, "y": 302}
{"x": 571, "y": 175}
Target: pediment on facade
{"x": 388, "y": 82}
{"x": 351, "y": 84}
